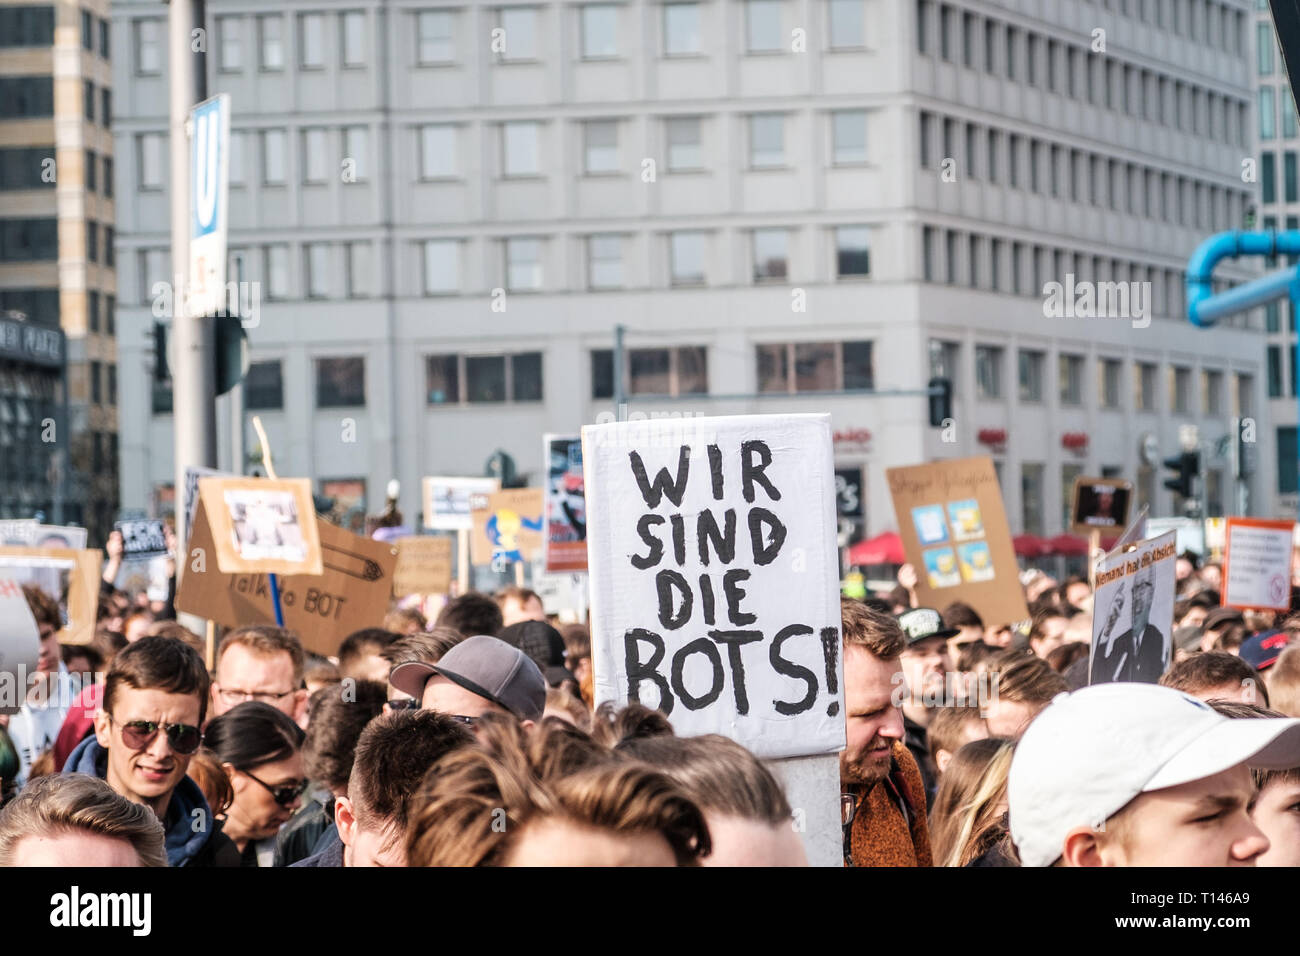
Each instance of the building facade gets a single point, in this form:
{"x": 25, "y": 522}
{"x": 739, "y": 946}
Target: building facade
{"x": 447, "y": 208}
{"x": 57, "y": 263}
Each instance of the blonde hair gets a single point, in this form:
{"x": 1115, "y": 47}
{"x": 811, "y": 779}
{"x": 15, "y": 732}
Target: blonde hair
{"x": 1283, "y": 682}
{"x": 967, "y": 816}
{"x": 72, "y": 802}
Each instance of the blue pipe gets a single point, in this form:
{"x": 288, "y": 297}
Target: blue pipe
{"x": 1230, "y": 245}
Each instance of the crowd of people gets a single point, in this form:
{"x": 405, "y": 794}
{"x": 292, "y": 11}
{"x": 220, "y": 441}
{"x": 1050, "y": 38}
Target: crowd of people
{"x": 476, "y": 740}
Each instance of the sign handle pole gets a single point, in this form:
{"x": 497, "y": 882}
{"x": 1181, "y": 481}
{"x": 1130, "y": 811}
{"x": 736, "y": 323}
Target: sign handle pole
{"x": 275, "y": 600}
{"x": 266, "y": 447}
{"x": 211, "y": 645}
{"x": 462, "y": 561}
{"x": 1094, "y": 545}
{"x": 519, "y": 573}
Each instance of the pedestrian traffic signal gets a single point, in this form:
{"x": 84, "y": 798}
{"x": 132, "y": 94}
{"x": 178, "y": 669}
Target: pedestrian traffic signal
{"x": 1186, "y": 467}
{"x": 940, "y": 401}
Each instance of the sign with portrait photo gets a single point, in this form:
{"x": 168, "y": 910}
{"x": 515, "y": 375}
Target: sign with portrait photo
{"x": 1100, "y": 504}
{"x": 1133, "y": 612}
{"x": 262, "y": 525}
{"x": 566, "y": 505}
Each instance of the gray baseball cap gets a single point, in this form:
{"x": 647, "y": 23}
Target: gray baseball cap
{"x": 486, "y": 666}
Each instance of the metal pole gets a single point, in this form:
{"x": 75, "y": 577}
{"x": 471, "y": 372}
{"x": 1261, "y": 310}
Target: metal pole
{"x": 237, "y": 450}
{"x": 620, "y": 395}
{"x": 193, "y": 368}
{"x": 63, "y": 456}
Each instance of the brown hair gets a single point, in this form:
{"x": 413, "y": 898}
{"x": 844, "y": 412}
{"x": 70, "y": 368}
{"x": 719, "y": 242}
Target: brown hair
{"x": 334, "y": 725}
{"x": 1203, "y": 672}
{"x": 266, "y": 640}
{"x": 1283, "y": 682}
{"x": 562, "y": 698}
{"x": 875, "y": 632}
{"x": 960, "y": 614}
{"x": 611, "y": 724}
{"x": 426, "y": 648}
{"x": 471, "y": 614}
{"x": 205, "y": 770}
{"x": 1025, "y": 678}
{"x": 947, "y": 724}
{"x": 1041, "y": 618}
{"x": 1261, "y": 777}
{"x": 158, "y": 663}
{"x": 577, "y": 642}
{"x": 966, "y": 819}
{"x": 1060, "y": 658}
{"x": 177, "y": 632}
{"x": 1230, "y": 638}
{"x": 369, "y": 640}
{"x": 44, "y": 608}
{"x": 717, "y": 773}
{"x": 320, "y": 670}
{"x": 75, "y": 802}
{"x": 973, "y": 653}
{"x": 401, "y": 618}
{"x": 522, "y": 595}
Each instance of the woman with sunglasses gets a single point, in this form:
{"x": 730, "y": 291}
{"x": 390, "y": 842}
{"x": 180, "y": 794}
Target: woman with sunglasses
{"x": 260, "y": 749}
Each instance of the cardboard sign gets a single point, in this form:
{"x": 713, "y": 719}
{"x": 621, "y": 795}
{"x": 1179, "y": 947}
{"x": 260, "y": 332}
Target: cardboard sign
{"x": 1133, "y": 612}
{"x": 1257, "y": 564}
{"x": 192, "y": 476}
{"x": 262, "y": 525}
{"x": 18, "y": 533}
{"x": 1100, "y": 504}
{"x": 142, "y": 540}
{"x": 507, "y": 526}
{"x": 150, "y": 575}
{"x": 446, "y": 501}
{"x": 955, "y": 534}
{"x": 20, "y": 646}
{"x": 351, "y": 593}
{"x": 70, "y": 577}
{"x": 60, "y": 536}
{"x": 715, "y": 576}
{"x": 423, "y": 565}
{"x": 566, "y": 505}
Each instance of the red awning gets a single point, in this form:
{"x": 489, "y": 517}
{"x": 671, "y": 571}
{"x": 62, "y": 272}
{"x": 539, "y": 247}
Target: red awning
{"x": 884, "y": 548}
{"x": 1069, "y": 545}
{"x": 1029, "y": 546}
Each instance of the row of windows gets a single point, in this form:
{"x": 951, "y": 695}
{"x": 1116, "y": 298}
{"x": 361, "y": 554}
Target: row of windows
{"x": 97, "y": 250}
{"x": 1268, "y": 192}
{"x": 26, "y": 97}
{"x": 92, "y": 27}
{"x": 103, "y": 383}
{"x": 104, "y": 103}
{"x": 1063, "y": 172}
{"x": 26, "y": 26}
{"x": 1269, "y": 99}
{"x": 29, "y": 240}
{"x": 1073, "y": 70}
{"x": 106, "y": 321}
{"x": 41, "y": 306}
{"x": 27, "y": 168}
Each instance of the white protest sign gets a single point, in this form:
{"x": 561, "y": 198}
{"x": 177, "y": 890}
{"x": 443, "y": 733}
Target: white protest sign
{"x": 1257, "y": 564}
{"x": 1133, "y": 612}
{"x": 20, "y": 646}
{"x": 714, "y": 576}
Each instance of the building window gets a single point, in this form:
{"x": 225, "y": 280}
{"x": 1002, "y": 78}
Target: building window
{"x": 315, "y": 156}
{"x": 523, "y": 264}
{"x": 442, "y": 379}
{"x": 1145, "y": 391}
{"x": 771, "y": 257}
{"x": 852, "y": 251}
{"x": 88, "y": 100}
{"x": 1267, "y": 113}
{"x": 1264, "y": 47}
{"x": 235, "y": 159}
{"x": 92, "y": 311}
{"x": 263, "y": 387}
{"x": 103, "y": 40}
{"x": 277, "y": 272}
{"x": 230, "y": 47}
{"x": 1031, "y": 498}
{"x": 605, "y": 262}
{"x": 1069, "y": 474}
{"x": 316, "y": 257}
{"x": 356, "y": 148}
{"x": 988, "y": 371}
{"x": 520, "y": 27}
{"x": 148, "y": 47}
{"x": 311, "y": 41}
{"x": 270, "y": 30}
{"x": 763, "y": 26}
{"x": 434, "y": 43}
{"x": 360, "y": 283}
{"x": 1286, "y": 461}
{"x": 1070, "y": 369}
{"x": 438, "y": 151}
{"x": 108, "y": 246}
{"x": 486, "y": 378}
{"x": 92, "y": 242}
{"x": 441, "y": 266}
{"x": 1031, "y": 375}
{"x": 600, "y": 142}
{"x": 29, "y": 240}
{"x": 519, "y": 148}
{"x": 681, "y": 29}
{"x": 341, "y": 382}
{"x": 353, "y": 23}
{"x": 1274, "y": 371}
{"x": 92, "y": 167}
{"x": 599, "y": 31}
{"x": 686, "y": 258}
{"x": 849, "y": 137}
{"x": 766, "y": 140}
{"x": 112, "y": 383}
{"x": 1180, "y": 384}
{"x": 685, "y": 150}
{"x": 662, "y": 371}
{"x": 1111, "y": 370}
{"x": 815, "y": 367}
{"x": 96, "y": 391}
{"x": 846, "y": 24}
{"x": 1211, "y": 392}
{"x": 273, "y": 157}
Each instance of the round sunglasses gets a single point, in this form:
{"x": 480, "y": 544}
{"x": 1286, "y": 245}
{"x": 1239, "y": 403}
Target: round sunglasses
{"x": 183, "y": 739}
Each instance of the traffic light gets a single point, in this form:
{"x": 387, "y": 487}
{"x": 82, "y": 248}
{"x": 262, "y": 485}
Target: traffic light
{"x": 940, "y": 401}
{"x": 161, "y": 371}
{"x": 1186, "y": 466}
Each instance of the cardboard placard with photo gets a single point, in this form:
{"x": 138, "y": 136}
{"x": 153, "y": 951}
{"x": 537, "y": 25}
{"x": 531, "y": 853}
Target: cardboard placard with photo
{"x": 70, "y": 577}
{"x": 507, "y": 526}
{"x": 20, "y": 645}
{"x": 1133, "y": 612}
{"x": 955, "y": 533}
{"x": 142, "y": 539}
{"x": 447, "y": 504}
{"x": 1100, "y": 504}
{"x": 351, "y": 593}
{"x": 423, "y": 565}
{"x": 1257, "y": 564}
{"x": 262, "y": 525}
{"x": 566, "y": 505}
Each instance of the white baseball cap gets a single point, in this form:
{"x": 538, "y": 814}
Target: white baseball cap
{"x": 1090, "y": 752}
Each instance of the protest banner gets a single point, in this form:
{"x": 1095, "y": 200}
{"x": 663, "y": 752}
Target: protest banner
{"x": 20, "y": 646}
{"x": 351, "y": 593}
{"x": 1100, "y": 505}
{"x": 59, "y": 536}
{"x": 1257, "y": 564}
{"x": 954, "y": 530}
{"x": 566, "y": 507}
{"x": 446, "y": 501}
{"x": 423, "y": 565}
{"x": 68, "y": 576}
{"x": 507, "y": 526}
{"x": 262, "y": 525}
{"x": 142, "y": 539}
{"x": 714, "y": 576}
{"x": 1133, "y": 612}
{"x": 192, "y": 476}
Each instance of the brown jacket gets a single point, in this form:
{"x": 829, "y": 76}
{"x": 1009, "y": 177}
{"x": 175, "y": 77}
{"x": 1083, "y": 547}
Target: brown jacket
{"x": 881, "y": 835}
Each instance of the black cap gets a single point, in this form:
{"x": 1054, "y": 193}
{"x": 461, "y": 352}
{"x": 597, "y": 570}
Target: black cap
{"x": 923, "y": 623}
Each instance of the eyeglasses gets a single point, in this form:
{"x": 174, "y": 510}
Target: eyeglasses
{"x": 403, "y": 703}
{"x": 469, "y": 721}
{"x": 233, "y": 697}
{"x": 182, "y": 738}
{"x": 285, "y": 793}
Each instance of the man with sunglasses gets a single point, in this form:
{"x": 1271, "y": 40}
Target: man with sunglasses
{"x": 155, "y": 698}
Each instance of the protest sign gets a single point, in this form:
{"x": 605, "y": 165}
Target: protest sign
{"x": 192, "y": 476}
{"x": 20, "y": 646}
{"x": 262, "y": 525}
{"x": 507, "y": 525}
{"x": 446, "y": 501}
{"x": 955, "y": 534}
{"x": 1257, "y": 564}
{"x": 20, "y": 532}
{"x": 566, "y": 507}
{"x": 715, "y": 577}
{"x": 151, "y": 575}
{"x": 142, "y": 540}
{"x": 59, "y": 536}
{"x": 69, "y": 577}
{"x": 351, "y": 593}
{"x": 1133, "y": 612}
{"x": 423, "y": 565}
{"x": 1100, "y": 504}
